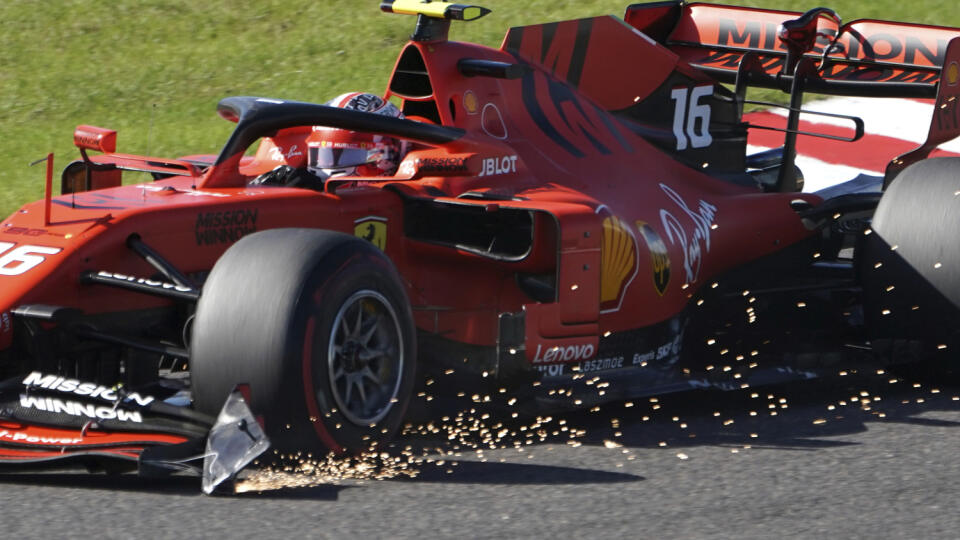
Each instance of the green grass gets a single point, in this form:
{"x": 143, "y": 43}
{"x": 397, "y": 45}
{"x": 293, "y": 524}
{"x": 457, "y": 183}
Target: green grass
{"x": 155, "y": 69}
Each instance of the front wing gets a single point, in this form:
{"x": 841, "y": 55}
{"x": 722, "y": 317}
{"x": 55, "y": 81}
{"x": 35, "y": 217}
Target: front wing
{"x": 49, "y": 419}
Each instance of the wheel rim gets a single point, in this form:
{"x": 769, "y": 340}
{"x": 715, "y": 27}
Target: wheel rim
{"x": 365, "y": 358}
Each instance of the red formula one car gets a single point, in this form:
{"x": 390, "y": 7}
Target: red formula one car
{"x": 576, "y": 205}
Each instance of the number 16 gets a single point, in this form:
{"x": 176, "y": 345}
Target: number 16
{"x": 23, "y": 258}
{"x": 700, "y": 139}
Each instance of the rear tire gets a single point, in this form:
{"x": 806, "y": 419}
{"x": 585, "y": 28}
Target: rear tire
{"x": 317, "y": 323}
{"x": 910, "y": 263}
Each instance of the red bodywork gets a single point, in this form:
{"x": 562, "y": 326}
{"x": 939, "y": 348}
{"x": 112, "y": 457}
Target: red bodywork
{"x": 588, "y": 180}
{"x": 628, "y": 209}
{"x": 35, "y": 443}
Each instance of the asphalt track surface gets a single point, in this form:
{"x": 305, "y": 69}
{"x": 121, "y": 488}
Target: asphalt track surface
{"x": 881, "y": 463}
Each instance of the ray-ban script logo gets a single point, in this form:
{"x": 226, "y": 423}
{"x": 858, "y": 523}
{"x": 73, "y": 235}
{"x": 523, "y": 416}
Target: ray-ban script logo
{"x": 693, "y": 245}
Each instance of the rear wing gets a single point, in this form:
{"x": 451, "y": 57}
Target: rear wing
{"x": 863, "y": 57}
{"x": 814, "y": 52}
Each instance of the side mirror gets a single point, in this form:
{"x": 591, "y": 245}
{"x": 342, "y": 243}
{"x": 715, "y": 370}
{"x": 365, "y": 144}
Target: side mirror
{"x": 95, "y": 138}
{"x": 84, "y": 175}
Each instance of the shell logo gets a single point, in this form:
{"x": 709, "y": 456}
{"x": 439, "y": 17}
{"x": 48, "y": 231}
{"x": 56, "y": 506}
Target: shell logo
{"x": 618, "y": 261}
{"x": 470, "y": 102}
{"x": 953, "y": 74}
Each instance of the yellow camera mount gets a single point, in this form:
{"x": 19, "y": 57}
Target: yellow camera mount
{"x": 433, "y": 18}
{"x": 435, "y": 10}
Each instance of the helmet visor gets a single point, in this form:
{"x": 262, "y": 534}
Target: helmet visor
{"x": 325, "y": 157}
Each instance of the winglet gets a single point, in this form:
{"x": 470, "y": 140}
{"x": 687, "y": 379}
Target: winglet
{"x": 234, "y": 441}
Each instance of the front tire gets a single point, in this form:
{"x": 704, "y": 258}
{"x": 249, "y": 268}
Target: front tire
{"x": 317, "y": 323}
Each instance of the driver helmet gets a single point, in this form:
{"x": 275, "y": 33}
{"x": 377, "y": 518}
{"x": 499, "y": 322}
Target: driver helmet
{"x": 341, "y": 152}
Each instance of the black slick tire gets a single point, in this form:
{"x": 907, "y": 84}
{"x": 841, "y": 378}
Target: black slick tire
{"x": 317, "y": 323}
{"x": 909, "y": 263}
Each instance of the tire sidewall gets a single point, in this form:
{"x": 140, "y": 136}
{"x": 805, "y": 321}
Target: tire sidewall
{"x": 338, "y": 276}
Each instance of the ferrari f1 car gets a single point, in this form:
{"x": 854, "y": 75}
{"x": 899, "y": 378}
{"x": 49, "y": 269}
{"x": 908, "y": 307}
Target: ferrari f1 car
{"x": 577, "y": 205}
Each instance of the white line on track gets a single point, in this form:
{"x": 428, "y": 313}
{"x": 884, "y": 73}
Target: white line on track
{"x": 818, "y": 174}
{"x": 905, "y": 119}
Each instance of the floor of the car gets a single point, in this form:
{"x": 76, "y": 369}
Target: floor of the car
{"x": 864, "y": 183}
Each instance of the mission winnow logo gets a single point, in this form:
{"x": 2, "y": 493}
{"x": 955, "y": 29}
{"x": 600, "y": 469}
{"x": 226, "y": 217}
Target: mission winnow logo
{"x": 85, "y": 389}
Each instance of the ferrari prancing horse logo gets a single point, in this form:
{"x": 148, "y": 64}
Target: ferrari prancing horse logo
{"x": 372, "y": 229}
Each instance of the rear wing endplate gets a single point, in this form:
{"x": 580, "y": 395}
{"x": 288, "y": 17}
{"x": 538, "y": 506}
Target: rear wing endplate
{"x": 945, "y": 124}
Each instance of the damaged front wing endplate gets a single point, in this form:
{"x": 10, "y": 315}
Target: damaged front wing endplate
{"x": 234, "y": 441}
